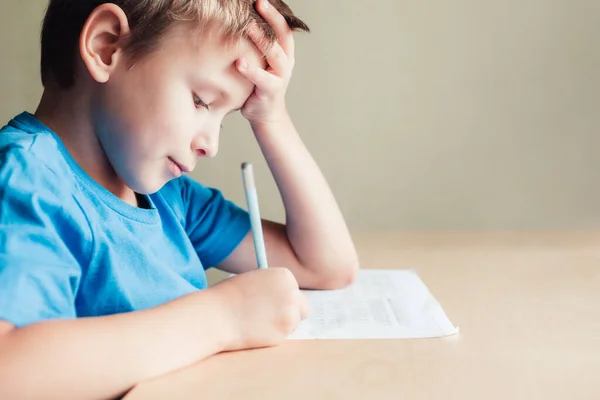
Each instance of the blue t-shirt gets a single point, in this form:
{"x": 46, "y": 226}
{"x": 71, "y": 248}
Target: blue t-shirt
{"x": 70, "y": 248}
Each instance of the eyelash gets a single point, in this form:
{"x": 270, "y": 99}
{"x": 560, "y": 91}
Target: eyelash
{"x": 199, "y": 103}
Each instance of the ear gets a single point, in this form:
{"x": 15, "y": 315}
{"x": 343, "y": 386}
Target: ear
{"x": 101, "y": 41}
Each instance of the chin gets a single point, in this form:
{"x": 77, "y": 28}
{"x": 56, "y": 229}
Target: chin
{"x": 147, "y": 186}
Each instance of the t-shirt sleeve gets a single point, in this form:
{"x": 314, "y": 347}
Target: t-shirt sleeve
{"x": 215, "y": 225}
{"x": 40, "y": 243}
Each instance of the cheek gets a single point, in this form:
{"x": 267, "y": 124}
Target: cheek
{"x": 126, "y": 104}
{"x": 149, "y": 115}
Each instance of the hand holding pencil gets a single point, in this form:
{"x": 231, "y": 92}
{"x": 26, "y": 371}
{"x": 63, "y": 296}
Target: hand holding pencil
{"x": 263, "y": 306}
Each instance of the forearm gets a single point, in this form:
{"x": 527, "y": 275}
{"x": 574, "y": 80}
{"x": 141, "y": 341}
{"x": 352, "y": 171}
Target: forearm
{"x": 103, "y": 357}
{"x": 315, "y": 226}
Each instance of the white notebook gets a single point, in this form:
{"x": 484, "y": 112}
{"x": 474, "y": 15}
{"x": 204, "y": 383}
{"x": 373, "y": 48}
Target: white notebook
{"x": 380, "y": 304}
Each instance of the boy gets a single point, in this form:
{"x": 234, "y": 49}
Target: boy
{"x": 104, "y": 241}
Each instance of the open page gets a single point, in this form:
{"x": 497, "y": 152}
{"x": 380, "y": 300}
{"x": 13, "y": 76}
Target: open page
{"x": 380, "y": 304}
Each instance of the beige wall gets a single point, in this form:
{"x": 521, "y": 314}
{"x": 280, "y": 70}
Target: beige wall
{"x": 462, "y": 114}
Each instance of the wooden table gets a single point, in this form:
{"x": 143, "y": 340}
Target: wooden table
{"x": 528, "y": 308}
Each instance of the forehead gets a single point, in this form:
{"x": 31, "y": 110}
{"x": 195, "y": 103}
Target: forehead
{"x": 206, "y": 61}
{"x": 210, "y": 48}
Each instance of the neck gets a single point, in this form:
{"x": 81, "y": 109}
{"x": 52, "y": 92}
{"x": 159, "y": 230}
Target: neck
{"x": 69, "y": 115}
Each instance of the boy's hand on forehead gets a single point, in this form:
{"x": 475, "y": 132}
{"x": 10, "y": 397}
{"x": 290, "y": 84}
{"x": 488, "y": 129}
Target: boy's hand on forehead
{"x": 267, "y": 103}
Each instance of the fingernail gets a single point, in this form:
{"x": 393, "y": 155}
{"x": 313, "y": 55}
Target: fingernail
{"x": 244, "y": 64}
{"x": 266, "y": 4}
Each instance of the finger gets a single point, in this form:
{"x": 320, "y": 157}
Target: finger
{"x": 278, "y": 61}
{"x": 279, "y": 24}
{"x": 275, "y": 56}
{"x": 304, "y": 307}
{"x": 262, "y": 79}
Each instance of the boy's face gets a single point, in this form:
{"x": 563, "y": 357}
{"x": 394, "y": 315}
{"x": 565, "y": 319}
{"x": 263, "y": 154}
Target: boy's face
{"x": 152, "y": 121}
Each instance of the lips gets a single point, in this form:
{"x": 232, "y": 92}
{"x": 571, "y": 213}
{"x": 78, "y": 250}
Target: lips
{"x": 182, "y": 167}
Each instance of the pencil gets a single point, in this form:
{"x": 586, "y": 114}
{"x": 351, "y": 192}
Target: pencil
{"x": 255, "y": 220}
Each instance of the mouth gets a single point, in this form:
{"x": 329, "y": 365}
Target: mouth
{"x": 179, "y": 168}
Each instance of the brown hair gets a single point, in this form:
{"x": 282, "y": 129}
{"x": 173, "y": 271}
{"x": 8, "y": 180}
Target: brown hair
{"x": 148, "y": 21}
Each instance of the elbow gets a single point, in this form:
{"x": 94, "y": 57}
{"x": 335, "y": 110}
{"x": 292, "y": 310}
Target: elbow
{"x": 340, "y": 276}
{"x": 350, "y": 274}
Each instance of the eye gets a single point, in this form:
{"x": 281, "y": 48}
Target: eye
{"x": 199, "y": 103}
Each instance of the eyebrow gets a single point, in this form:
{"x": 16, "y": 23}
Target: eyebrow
{"x": 217, "y": 88}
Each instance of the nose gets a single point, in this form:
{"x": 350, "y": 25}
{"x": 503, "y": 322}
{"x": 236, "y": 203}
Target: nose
{"x": 206, "y": 144}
